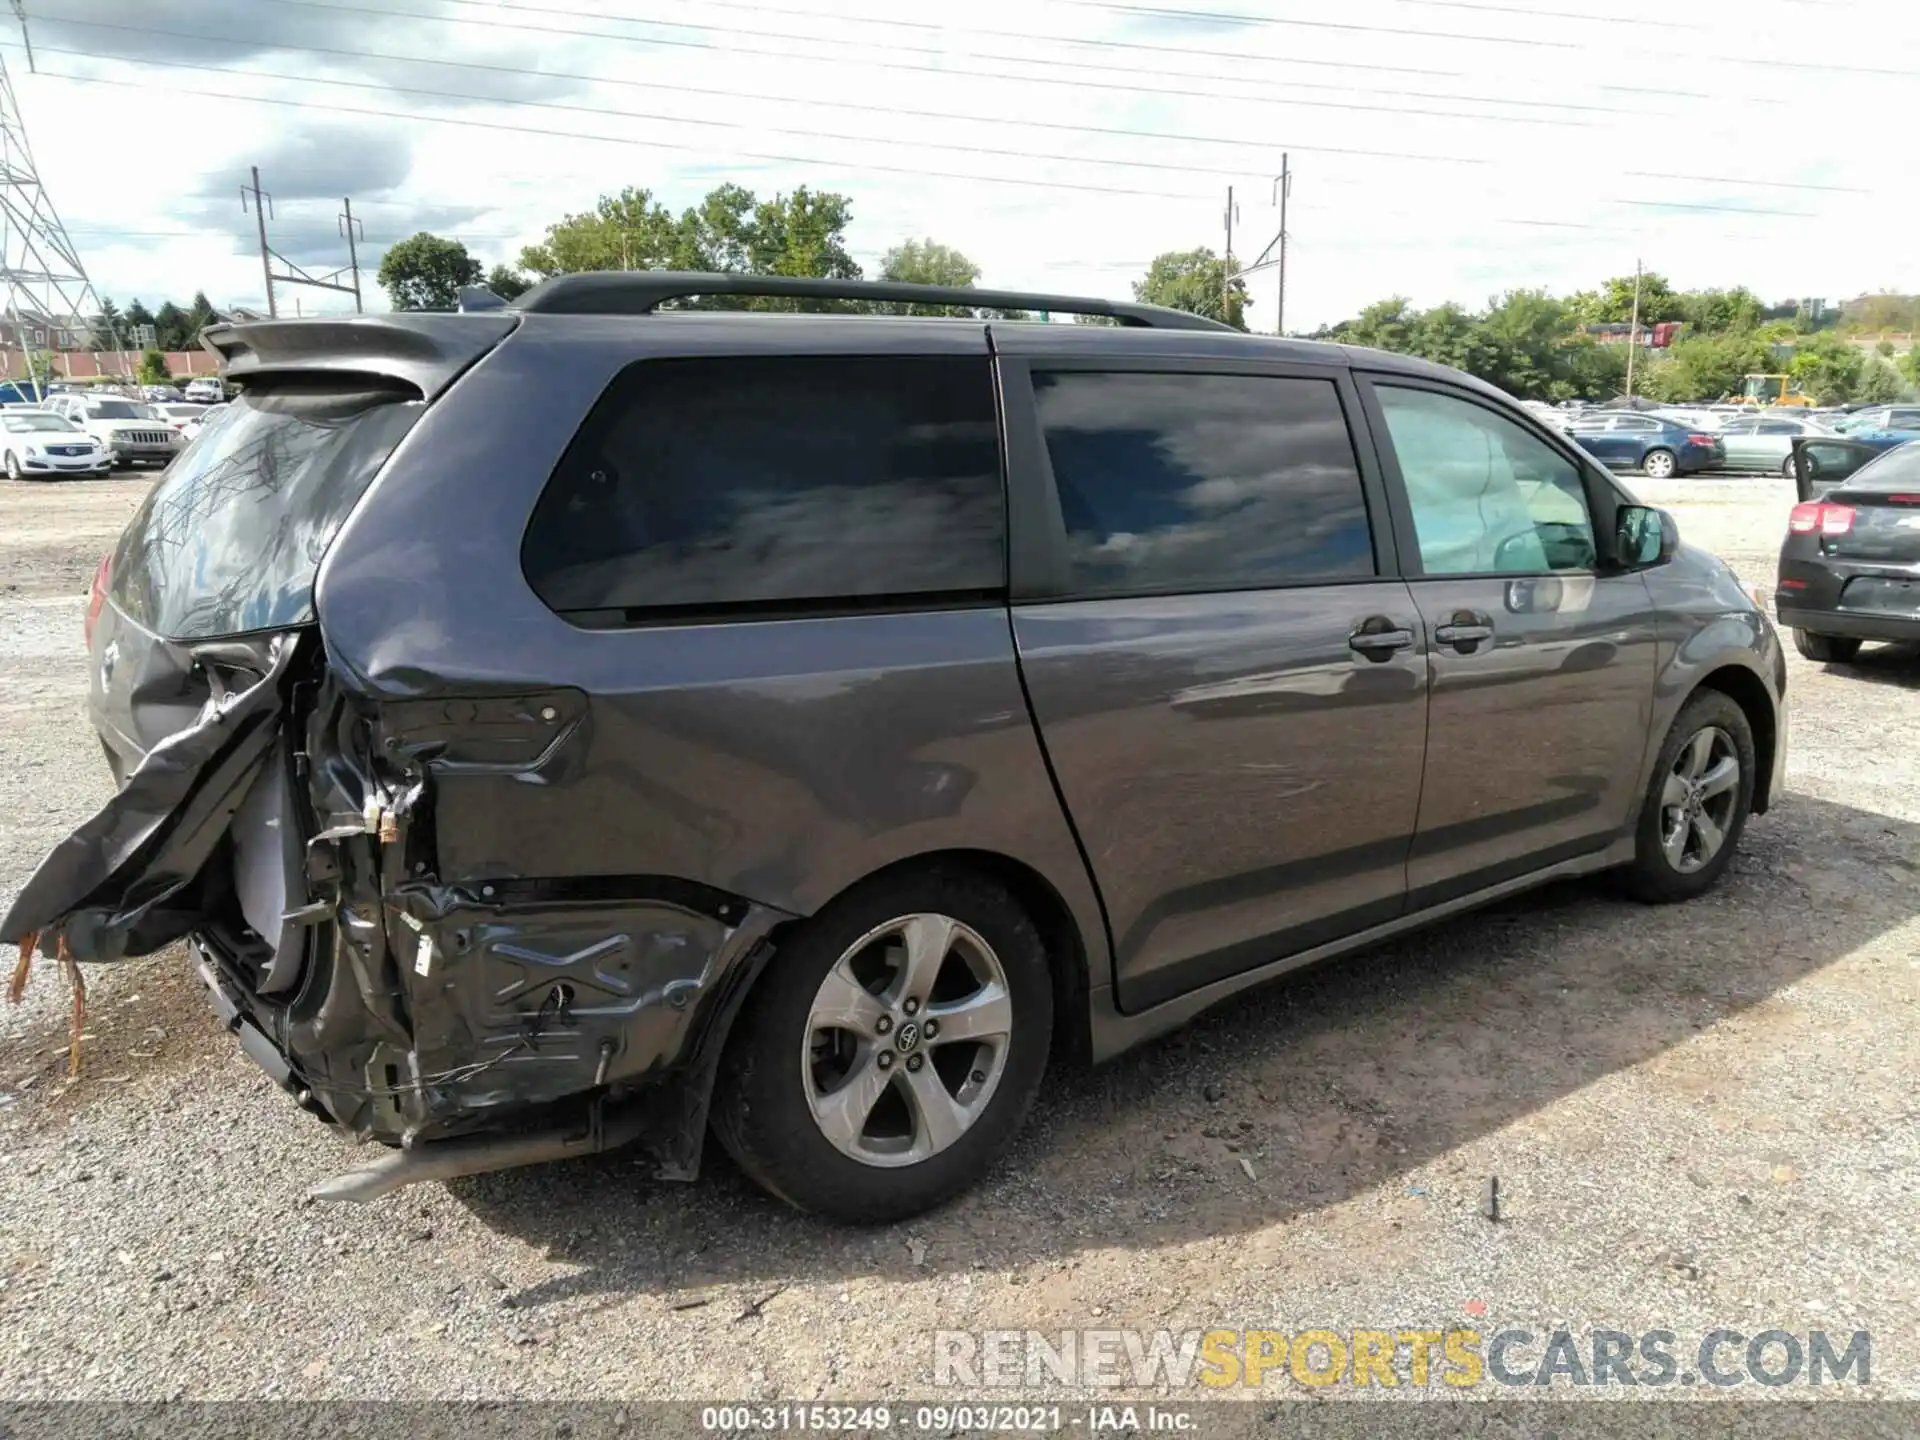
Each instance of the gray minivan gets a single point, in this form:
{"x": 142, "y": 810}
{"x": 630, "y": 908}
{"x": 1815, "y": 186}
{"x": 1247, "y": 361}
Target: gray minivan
{"x": 582, "y": 723}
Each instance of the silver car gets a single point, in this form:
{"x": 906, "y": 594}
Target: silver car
{"x": 1765, "y": 442}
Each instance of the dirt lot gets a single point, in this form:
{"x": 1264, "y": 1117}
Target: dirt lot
{"x": 1700, "y": 1116}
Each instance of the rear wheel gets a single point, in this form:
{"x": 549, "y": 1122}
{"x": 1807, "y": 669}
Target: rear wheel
{"x": 1825, "y": 648}
{"x": 1659, "y": 464}
{"x": 1696, "y": 805}
{"x": 891, "y": 1050}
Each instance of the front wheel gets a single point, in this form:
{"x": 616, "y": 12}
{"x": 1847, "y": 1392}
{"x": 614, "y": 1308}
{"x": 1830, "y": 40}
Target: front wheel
{"x": 891, "y": 1050}
{"x": 1659, "y": 464}
{"x": 13, "y": 467}
{"x": 1826, "y": 649}
{"x": 1697, "y": 802}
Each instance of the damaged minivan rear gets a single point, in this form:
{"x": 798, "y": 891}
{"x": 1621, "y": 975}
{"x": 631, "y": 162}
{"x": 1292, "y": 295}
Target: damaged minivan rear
{"x": 480, "y": 829}
{"x": 576, "y": 725}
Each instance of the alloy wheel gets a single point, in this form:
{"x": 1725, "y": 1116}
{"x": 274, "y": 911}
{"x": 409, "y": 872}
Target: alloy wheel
{"x": 906, "y": 1040}
{"x": 1659, "y": 465}
{"x": 1697, "y": 800}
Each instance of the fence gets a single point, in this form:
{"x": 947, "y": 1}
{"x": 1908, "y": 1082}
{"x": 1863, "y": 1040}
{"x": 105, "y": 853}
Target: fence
{"x": 111, "y": 364}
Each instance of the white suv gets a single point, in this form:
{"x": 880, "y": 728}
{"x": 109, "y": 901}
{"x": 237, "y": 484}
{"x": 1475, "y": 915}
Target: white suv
{"x": 207, "y": 390}
{"x": 132, "y": 430}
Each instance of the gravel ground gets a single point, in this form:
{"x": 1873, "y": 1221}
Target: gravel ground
{"x": 1700, "y": 1116}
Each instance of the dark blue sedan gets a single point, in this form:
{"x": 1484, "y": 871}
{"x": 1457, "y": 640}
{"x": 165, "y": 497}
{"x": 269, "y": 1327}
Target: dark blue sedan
{"x": 1628, "y": 441}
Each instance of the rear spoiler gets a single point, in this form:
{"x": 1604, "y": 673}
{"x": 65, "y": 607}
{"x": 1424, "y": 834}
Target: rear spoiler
{"x": 426, "y": 351}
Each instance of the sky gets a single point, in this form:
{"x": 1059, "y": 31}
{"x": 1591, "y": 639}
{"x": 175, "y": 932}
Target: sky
{"x": 1440, "y": 149}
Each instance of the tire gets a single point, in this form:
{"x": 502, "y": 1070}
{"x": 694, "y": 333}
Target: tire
{"x": 1664, "y": 870}
{"x": 1826, "y": 649}
{"x": 782, "y": 1071}
{"x": 13, "y": 467}
{"x": 1787, "y": 470}
{"x": 1659, "y": 464}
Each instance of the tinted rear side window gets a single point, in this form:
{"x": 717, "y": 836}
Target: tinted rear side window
{"x": 229, "y": 538}
{"x": 1203, "y": 482}
{"x": 795, "y": 481}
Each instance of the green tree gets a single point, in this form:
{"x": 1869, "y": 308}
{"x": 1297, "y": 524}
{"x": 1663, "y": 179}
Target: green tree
{"x": 136, "y": 317}
{"x": 1613, "y": 302}
{"x": 1194, "y": 281}
{"x": 170, "y": 327}
{"x": 1713, "y": 312}
{"x": 1879, "y": 382}
{"x": 802, "y": 234}
{"x": 1910, "y": 365}
{"x": 1827, "y": 368}
{"x": 731, "y": 231}
{"x": 107, "y": 327}
{"x": 628, "y": 231}
{"x": 1384, "y": 325}
{"x": 1524, "y": 339}
{"x": 425, "y": 272}
{"x": 1708, "y": 367}
{"x": 1884, "y": 349}
{"x": 200, "y": 314}
{"x": 507, "y": 283}
{"x": 153, "y": 368}
{"x": 1595, "y": 371}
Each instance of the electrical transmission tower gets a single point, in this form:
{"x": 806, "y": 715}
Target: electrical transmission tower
{"x": 46, "y": 301}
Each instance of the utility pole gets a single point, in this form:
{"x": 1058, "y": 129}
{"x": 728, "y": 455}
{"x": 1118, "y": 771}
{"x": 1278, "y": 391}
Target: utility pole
{"x": 1280, "y": 304}
{"x": 1633, "y": 327}
{"x": 354, "y": 231}
{"x": 1226, "y": 269}
{"x": 260, "y": 202}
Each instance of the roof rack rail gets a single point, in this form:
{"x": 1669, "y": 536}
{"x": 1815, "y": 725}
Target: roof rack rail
{"x": 641, "y": 292}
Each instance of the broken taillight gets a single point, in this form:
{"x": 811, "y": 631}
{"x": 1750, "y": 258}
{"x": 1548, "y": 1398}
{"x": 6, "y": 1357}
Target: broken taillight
{"x": 1812, "y": 515}
{"x": 97, "y": 597}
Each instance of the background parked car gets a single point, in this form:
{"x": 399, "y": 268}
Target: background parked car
{"x": 131, "y": 429}
{"x": 38, "y": 444}
{"x": 1881, "y": 417}
{"x": 208, "y": 413}
{"x": 1850, "y": 564}
{"x": 206, "y": 390}
{"x": 159, "y": 394}
{"x": 180, "y": 416}
{"x": 1625, "y": 441}
{"x": 1765, "y": 442}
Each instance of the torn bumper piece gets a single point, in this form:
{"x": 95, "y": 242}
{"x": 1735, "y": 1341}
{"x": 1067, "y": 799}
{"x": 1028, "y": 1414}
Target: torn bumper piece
{"x": 539, "y": 1028}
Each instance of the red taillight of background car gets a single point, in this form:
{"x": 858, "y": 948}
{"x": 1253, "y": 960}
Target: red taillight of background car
{"x": 1813, "y": 515}
{"x": 97, "y": 597}
{"x": 1702, "y": 440}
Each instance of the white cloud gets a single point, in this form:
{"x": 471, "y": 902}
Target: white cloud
{"x": 1584, "y": 130}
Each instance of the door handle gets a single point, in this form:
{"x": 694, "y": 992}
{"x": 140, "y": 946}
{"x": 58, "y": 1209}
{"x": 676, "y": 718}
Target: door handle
{"x": 1465, "y": 632}
{"x": 1377, "y": 637}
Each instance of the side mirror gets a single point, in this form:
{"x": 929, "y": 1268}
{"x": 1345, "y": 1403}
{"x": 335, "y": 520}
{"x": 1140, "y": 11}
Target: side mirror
{"x": 1644, "y": 537}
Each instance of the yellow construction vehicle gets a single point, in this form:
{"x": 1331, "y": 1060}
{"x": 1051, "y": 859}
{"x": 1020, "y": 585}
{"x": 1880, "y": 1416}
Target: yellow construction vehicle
{"x": 1769, "y": 390}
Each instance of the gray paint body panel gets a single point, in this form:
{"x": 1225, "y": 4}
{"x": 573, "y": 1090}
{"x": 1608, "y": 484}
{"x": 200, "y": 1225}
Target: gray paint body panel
{"x": 780, "y": 760}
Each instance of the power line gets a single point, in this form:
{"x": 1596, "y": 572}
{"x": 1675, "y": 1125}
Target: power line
{"x": 919, "y": 50}
{"x": 919, "y": 112}
{"x": 1261, "y": 21}
{"x": 999, "y": 152}
{"x": 382, "y": 87}
{"x": 916, "y": 171}
{"x": 920, "y": 172}
{"x": 947, "y": 71}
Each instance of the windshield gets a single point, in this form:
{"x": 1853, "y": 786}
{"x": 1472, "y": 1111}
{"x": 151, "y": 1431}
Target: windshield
{"x": 228, "y": 541}
{"x": 119, "y": 410}
{"x": 39, "y": 422}
{"x": 1895, "y": 469}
